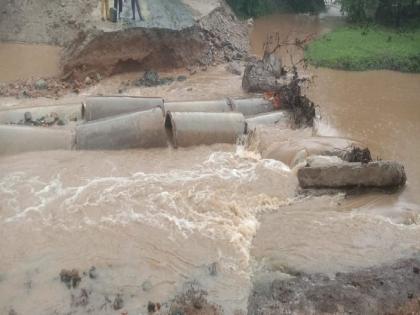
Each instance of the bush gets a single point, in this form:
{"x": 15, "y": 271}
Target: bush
{"x": 248, "y": 8}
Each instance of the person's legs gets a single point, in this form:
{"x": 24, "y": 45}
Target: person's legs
{"x": 138, "y": 9}
{"x": 120, "y": 6}
{"x": 133, "y": 8}
{"x": 106, "y": 8}
{"x": 103, "y": 12}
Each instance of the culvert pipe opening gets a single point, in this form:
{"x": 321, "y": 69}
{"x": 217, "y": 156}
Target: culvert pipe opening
{"x": 195, "y": 128}
{"x": 170, "y": 129}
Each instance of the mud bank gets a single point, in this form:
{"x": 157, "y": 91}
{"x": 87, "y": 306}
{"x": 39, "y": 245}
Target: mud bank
{"x": 217, "y": 37}
{"x": 172, "y": 35}
{"x": 388, "y": 289}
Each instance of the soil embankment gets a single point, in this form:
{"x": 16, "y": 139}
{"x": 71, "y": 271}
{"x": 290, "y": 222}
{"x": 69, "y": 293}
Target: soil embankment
{"x": 173, "y": 34}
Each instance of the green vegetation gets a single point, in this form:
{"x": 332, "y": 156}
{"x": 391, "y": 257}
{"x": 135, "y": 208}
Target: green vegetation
{"x": 388, "y": 12}
{"x": 356, "y": 48}
{"x": 248, "y": 8}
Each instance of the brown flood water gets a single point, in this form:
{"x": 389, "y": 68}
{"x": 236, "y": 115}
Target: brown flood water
{"x": 378, "y": 108}
{"x": 24, "y": 61}
{"x": 164, "y": 216}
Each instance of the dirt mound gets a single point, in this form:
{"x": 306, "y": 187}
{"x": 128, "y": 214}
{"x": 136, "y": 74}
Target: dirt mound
{"x": 45, "y": 21}
{"x": 218, "y": 37}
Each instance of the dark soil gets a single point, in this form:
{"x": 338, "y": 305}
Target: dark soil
{"x": 388, "y": 289}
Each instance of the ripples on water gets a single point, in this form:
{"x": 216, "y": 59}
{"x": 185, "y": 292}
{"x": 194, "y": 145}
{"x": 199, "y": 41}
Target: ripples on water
{"x": 205, "y": 197}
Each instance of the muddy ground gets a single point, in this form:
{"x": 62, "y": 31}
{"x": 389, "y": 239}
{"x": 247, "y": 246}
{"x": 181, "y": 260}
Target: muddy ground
{"x": 173, "y": 34}
{"x": 388, "y": 289}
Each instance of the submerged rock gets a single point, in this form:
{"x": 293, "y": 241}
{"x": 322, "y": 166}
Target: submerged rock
{"x": 41, "y": 84}
{"x": 118, "y": 302}
{"x": 234, "y": 67}
{"x": 93, "y": 273}
{"x": 146, "y": 286}
{"x": 70, "y": 277}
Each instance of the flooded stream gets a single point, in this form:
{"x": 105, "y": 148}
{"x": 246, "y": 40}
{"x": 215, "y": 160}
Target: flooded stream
{"x": 378, "y": 108}
{"x": 163, "y": 217}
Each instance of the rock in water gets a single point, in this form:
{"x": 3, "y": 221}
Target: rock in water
{"x": 265, "y": 75}
{"x": 41, "y": 85}
{"x": 273, "y": 65}
{"x": 381, "y": 174}
{"x": 118, "y": 302}
{"x": 234, "y": 67}
{"x": 70, "y": 277}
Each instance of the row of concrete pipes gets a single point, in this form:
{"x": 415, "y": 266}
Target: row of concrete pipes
{"x": 114, "y": 123}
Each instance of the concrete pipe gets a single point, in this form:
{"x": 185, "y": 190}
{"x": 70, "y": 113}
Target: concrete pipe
{"x": 251, "y": 106}
{"x": 64, "y": 112}
{"x": 188, "y": 129}
{"x": 280, "y": 118}
{"x": 220, "y": 106}
{"x": 136, "y": 130}
{"x": 99, "y": 107}
{"x": 380, "y": 174}
{"x": 18, "y": 139}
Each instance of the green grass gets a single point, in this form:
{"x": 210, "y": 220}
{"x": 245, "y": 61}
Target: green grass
{"x": 356, "y": 48}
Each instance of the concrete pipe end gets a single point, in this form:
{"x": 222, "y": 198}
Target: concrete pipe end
{"x": 170, "y": 129}
{"x": 83, "y": 110}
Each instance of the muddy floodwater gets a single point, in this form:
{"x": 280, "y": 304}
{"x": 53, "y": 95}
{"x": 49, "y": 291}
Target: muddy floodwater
{"x": 25, "y": 61}
{"x": 152, "y": 220}
{"x": 378, "y": 108}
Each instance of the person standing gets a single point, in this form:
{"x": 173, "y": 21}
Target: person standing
{"x": 135, "y": 5}
{"x": 104, "y": 9}
{"x": 118, "y": 6}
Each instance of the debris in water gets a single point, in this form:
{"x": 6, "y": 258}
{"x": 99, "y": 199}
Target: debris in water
{"x": 118, "y": 302}
{"x": 70, "y": 277}
{"x": 93, "y": 273}
{"x": 193, "y": 299}
{"x": 357, "y": 154}
{"x": 213, "y": 269}
{"x": 146, "y": 286}
{"x": 151, "y": 78}
{"x": 81, "y": 300}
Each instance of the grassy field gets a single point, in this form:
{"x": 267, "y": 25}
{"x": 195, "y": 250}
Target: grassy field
{"x": 355, "y": 48}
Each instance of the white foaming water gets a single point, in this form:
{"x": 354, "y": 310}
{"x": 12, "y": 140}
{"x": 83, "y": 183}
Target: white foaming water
{"x": 218, "y": 197}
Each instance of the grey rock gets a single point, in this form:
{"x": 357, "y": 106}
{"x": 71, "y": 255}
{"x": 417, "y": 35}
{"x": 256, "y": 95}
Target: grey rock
{"x": 49, "y": 120}
{"x": 181, "y": 78}
{"x": 273, "y": 64}
{"x": 263, "y": 76}
{"x": 93, "y": 273}
{"x": 234, "y": 68}
{"x": 213, "y": 269}
{"x": 146, "y": 286}
{"x": 118, "y": 302}
{"x": 382, "y": 174}
{"x": 70, "y": 277}
{"x": 41, "y": 84}
{"x": 27, "y": 116}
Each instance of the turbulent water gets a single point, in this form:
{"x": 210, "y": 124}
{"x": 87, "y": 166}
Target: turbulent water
{"x": 378, "y": 108}
{"x": 152, "y": 220}
{"x": 157, "y": 215}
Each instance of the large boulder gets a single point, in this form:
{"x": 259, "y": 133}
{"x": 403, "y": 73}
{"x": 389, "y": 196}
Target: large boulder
{"x": 265, "y": 75}
{"x": 382, "y": 174}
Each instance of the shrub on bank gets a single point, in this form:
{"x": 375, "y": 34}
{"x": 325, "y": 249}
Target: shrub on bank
{"x": 253, "y": 8}
{"x": 357, "y": 48}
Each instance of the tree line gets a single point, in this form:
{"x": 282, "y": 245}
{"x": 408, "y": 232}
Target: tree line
{"x": 391, "y": 12}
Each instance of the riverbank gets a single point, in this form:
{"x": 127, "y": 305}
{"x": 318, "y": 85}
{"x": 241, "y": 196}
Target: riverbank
{"x": 371, "y": 48}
